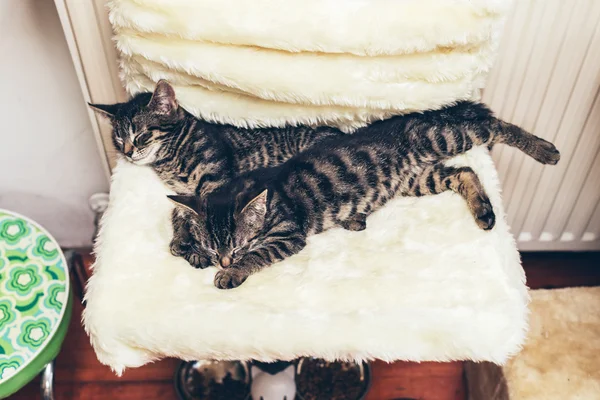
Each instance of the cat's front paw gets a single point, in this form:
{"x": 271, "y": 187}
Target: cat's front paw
{"x": 197, "y": 260}
{"x": 179, "y": 248}
{"x": 190, "y": 254}
{"x": 230, "y": 278}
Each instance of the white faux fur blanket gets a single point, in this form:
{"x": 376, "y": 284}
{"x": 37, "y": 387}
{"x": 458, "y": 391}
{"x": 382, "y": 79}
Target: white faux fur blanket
{"x": 272, "y": 62}
{"x": 421, "y": 283}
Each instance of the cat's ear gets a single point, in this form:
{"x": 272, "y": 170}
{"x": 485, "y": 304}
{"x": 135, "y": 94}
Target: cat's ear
{"x": 106, "y": 110}
{"x": 186, "y": 202}
{"x": 163, "y": 99}
{"x": 253, "y": 214}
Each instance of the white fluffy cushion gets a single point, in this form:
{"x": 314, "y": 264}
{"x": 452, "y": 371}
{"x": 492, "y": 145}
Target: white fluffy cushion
{"x": 268, "y": 62}
{"x": 421, "y": 283}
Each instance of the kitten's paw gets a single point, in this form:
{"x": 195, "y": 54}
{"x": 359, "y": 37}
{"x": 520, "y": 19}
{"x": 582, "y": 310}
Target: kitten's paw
{"x": 196, "y": 260}
{"x": 178, "y": 248}
{"x": 186, "y": 251}
{"x": 484, "y": 214}
{"x": 357, "y": 223}
{"x": 545, "y": 152}
{"x": 230, "y": 278}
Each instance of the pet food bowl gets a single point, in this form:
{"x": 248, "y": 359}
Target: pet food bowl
{"x": 212, "y": 380}
{"x": 319, "y": 379}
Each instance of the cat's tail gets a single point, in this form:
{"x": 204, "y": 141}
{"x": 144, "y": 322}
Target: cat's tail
{"x": 539, "y": 149}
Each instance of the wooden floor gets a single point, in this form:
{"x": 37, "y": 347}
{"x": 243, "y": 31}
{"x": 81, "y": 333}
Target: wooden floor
{"x": 80, "y": 376}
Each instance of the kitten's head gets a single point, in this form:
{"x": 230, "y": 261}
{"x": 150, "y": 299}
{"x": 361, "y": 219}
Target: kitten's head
{"x": 223, "y": 227}
{"x": 144, "y": 123}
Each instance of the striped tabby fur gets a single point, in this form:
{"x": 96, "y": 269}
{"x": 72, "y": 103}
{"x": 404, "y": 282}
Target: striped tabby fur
{"x": 193, "y": 156}
{"x": 265, "y": 215}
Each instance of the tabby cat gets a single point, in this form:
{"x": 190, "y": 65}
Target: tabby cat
{"x": 193, "y": 156}
{"x": 264, "y": 216}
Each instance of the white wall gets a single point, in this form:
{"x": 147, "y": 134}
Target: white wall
{"x": 49, "y": 163}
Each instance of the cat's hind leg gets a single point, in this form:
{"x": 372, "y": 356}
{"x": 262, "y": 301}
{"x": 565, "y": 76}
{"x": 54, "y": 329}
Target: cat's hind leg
{"x": 537, "y": 148}
{"x": 462, "y": 180}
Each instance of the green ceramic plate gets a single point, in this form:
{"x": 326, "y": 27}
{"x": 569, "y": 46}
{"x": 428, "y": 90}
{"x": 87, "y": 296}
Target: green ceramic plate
{"x": 35, "y": 300}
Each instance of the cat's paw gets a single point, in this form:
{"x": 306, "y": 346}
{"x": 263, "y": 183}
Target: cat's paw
{"x": 356, "y": 223}
{"x": 545, "y": 152}
{"x": 230, "y": 278}
{"x": 484, "y": 214}
{"x": 197, "y": 260}
{"x": 179, "y": 248}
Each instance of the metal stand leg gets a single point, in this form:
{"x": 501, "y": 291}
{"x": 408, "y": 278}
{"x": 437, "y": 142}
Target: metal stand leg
{"x": 46, "y": 385}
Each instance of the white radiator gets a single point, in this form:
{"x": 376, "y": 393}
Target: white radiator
{"x": 547, "y": 79}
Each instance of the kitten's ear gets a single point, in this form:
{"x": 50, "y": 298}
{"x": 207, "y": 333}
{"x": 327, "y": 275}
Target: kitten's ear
{"x": 187, "y": 202}
{"x": 253, "y": 214}
{"x": 163, "y": 99}
{"x": 107, "y": 110}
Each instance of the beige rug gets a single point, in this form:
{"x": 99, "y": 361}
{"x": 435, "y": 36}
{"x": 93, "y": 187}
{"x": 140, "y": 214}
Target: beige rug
{"x": 561, "y": 356}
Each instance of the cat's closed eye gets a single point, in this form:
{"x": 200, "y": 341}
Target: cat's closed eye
{"x": 142, "y": 139}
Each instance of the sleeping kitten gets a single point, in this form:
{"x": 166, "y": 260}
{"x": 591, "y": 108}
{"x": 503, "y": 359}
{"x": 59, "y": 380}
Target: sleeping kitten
{"x": 265, "y": 216}
{"x": 193, "y": 156}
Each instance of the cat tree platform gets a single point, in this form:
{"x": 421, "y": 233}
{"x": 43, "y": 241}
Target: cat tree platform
{"x": 421, "y": 283}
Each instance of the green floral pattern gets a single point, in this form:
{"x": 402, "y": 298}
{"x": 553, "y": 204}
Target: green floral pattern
{"x": 34, "y": 333}
{"x": 33, "y": 291}
{"x": 45, "y": 248}
{"x": 8, "y": 313}
{"x": 24, "y": 279}
{"x": 12, "y": 230}
{"x": 9, "y": 366}
{"x": 56, "y": 297}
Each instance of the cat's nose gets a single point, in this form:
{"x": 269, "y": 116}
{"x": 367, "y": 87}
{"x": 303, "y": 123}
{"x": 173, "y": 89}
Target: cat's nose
{"x": 225, "y": 261}
{"x": 128, "y": 149}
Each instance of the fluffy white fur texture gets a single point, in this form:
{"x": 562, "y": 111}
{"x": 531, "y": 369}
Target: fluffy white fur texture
{"x": 421, "y": 283}
{"x": 362, "y": 27}
{"x": 344, "y": 63}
